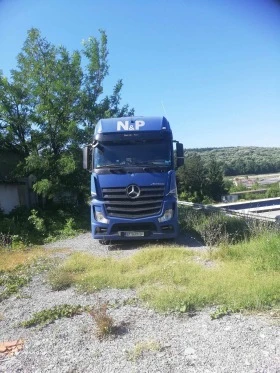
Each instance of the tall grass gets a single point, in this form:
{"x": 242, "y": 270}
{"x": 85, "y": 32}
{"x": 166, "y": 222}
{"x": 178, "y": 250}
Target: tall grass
{"x": 215, "y": 228}
{"x": 262, "y": 252}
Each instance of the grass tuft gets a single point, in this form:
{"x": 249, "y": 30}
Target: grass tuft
{"x": 143, "y": 347}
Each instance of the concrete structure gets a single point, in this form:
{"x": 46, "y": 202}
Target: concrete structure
{"x": 18, "y": 193}
{"x": 268, "y": 207}
{"x": 14, "y": 191}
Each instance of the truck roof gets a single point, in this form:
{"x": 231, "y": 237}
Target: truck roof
{"x": 136, "y": 123}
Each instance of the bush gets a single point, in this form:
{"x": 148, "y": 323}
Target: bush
{"x": 213, "y": 228}
{"x": 38, "y": 226}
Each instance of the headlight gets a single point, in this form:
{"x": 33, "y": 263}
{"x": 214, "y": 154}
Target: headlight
{"x": 166, "y": 216}
{"x": 100, "y": 217}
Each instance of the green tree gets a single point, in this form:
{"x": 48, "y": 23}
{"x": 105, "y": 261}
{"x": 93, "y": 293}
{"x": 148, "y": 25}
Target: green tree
{"x": 199, "y": 181}
{"x": 215, "y": 186}
{"x": 50, "y": 106}
{"x": 192, "y": 178}
{"x": 15, "y": 112}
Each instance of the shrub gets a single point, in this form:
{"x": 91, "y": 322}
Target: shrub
{"x": 38, "y": 226}
{"x": 213, "y": 227}
{"x": 104, "y": 322}
{"x": 60, "y": 280}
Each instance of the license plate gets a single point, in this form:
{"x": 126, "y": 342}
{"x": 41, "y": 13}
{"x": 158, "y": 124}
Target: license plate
{"x": 134, "y": 234}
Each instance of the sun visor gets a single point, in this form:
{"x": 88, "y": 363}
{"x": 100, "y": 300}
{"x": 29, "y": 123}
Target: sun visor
{"x": 132, "y": 136}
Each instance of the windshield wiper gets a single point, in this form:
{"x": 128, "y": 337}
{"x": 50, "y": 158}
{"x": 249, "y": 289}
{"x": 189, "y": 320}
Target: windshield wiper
{"x": 110, "y": 166}
{"x": 149, "y": 164}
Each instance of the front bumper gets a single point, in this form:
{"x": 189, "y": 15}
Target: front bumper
{"x": 147, "y": 228}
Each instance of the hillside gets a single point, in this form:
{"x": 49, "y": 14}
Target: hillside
{"x": 242, "y": 160}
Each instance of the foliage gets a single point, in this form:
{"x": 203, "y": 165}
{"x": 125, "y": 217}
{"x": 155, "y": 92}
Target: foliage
{"x": 242, "y": 160}
{"x": 267, "y": 191}
{"x": 200, "y": 182}
{"x": 49, "y": 107}
{"x": 273, "y": 191}
{"x": 214, "y": 228}
{"x": 49, "y": 316}
{"x": 215, "y": 186}
{"x": 24, "y": 227}
{"x": 11, "y": 283}
{"x": 192, "y": 178}
{"x": 221, "y": 312}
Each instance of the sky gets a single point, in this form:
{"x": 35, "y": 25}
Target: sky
{"x": 211, "y": 67}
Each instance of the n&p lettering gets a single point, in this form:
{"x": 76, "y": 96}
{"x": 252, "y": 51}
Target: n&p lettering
{"x": 126, "y": 126}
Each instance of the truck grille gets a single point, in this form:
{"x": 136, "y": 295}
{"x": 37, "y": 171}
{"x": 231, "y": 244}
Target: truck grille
{"x": 118, "y": 204}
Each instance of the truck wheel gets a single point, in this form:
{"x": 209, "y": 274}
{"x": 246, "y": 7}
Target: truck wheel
{"x": 104, "y": 242}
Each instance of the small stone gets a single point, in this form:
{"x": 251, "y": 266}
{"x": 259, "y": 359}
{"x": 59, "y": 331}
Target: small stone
{"x": 11, "y": 344}
{"x": 189, "y": 351}
{"x": 2, "y": 348}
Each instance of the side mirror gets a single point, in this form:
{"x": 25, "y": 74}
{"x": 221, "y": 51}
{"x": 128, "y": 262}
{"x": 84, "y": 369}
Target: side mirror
{"x": 87, "y": 161}
{"x": 180, "y": 154}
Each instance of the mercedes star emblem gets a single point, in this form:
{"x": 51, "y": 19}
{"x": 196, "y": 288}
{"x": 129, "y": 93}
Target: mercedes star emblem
{"x": 133, "y": 191}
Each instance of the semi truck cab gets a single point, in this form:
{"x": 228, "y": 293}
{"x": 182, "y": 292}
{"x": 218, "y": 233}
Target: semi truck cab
{"x": 133, "y": 183}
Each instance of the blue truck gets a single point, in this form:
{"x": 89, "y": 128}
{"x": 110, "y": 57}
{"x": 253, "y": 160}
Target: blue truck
{"x": 133, "y": 184}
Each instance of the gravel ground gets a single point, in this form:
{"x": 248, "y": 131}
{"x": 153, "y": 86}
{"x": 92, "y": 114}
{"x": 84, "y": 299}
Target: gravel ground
{"x": 145, "y": 341}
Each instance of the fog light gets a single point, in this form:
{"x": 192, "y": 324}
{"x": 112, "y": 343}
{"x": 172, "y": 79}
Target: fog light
{"x": 166, "y": 216}
{"x": 101, "y": 218}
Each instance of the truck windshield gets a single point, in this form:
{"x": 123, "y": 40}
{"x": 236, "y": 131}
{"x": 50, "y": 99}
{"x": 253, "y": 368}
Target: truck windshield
{"x": 140, "y": 153}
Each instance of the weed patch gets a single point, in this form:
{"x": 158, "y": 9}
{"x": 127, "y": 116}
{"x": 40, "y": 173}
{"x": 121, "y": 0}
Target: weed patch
{"x": 18, "y": 267}
{"x": 104, "y": 322}
{"x": 11, "y": 283}
{"x": 142, "y": 348}
{"x": 60, "y": 280}
{"x": 48, "y": 316}
{"x": 222, "y": 311}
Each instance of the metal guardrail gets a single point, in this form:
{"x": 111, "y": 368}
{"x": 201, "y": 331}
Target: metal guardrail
{"x": 229, "y": 212}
